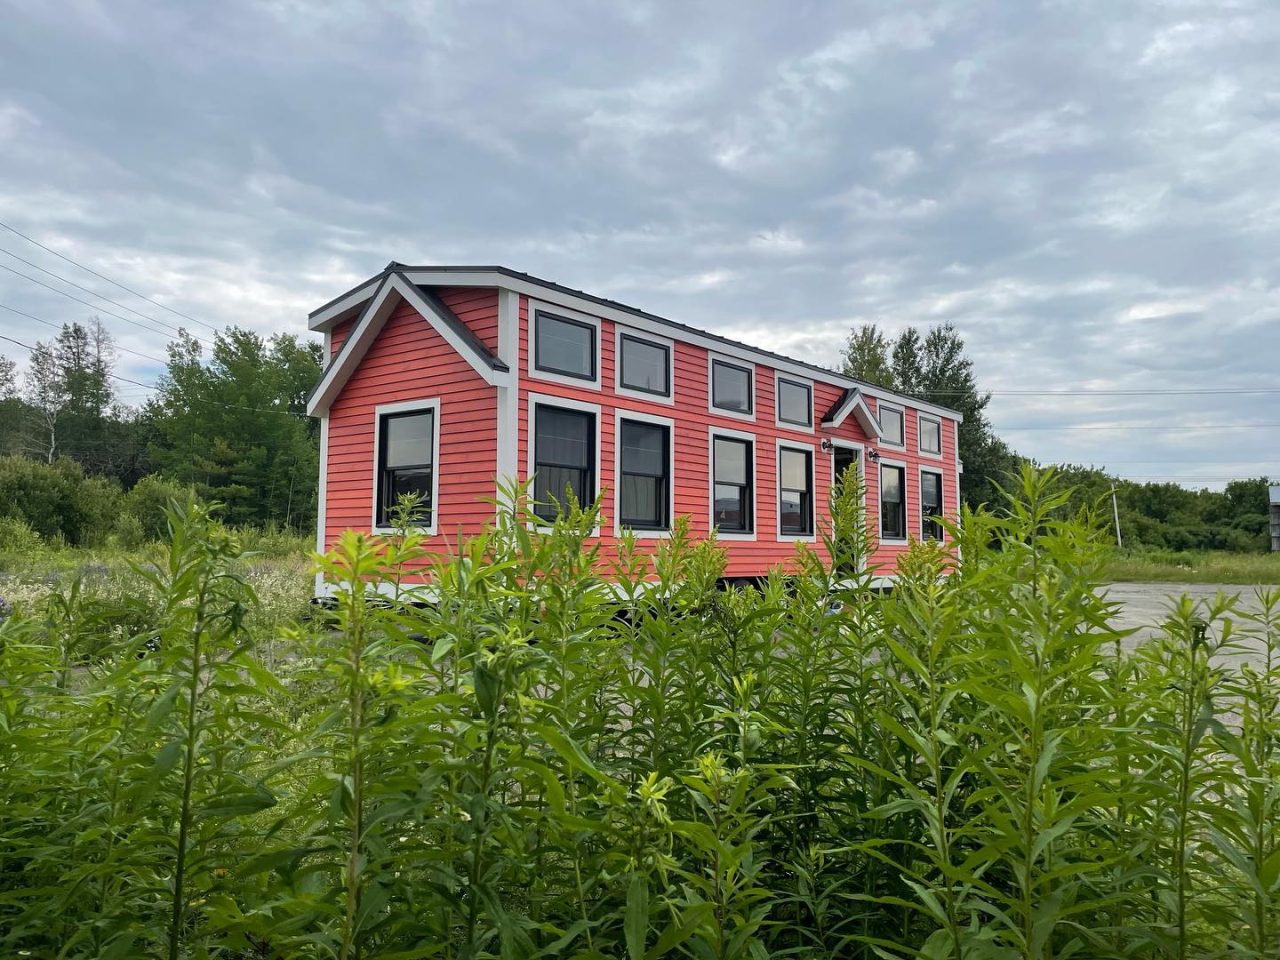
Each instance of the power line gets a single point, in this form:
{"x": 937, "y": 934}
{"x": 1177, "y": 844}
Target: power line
{"x": 90, "y": 291}
{"x": 100, "y": 276}
{"x": 94, "y": 306}
{"x": 50, "y": 323}
{"x": 151, "y": 386}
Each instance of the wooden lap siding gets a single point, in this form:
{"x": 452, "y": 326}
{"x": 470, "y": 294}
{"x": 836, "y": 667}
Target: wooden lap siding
{"x": 746, "y": 558}
{"x": 408, "y": 361}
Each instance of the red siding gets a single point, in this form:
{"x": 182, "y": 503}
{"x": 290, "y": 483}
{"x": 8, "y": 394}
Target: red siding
{"x": 692, "y": 460}
{"x": 410, "y": 361}
{"x": 477, "y": 307}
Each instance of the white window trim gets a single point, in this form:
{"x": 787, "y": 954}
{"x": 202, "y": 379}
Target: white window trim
{"x": 619, "y": 415}
{"x": 919, "y": 446}
{"x": 536, "y": 400}
{"x": 581, "y": 383}
{"x": 712, "y": 433}
{"x": 712, "y": 359}
{"x": 937, "y": 472}
{"x": 670, "y": 397}
{"x": 906, "y": 502}
{"x": 880, "y": 405}
{"x": 779, "y": 444}
{"x": 407, "y": 406}
{"x": 781, "y": 424}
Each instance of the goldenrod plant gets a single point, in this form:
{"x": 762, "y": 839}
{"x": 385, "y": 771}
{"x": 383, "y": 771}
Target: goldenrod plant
{"x": 507, "y": 747}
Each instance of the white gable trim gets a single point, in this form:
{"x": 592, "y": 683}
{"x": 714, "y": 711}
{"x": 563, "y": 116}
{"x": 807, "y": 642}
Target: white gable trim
{"x": 861, "y": 412}
{"x": 393, "y": 290}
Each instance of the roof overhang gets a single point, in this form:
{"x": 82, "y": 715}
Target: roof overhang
{"x": 853, "y": 404}
{"x": 391, "y": 290}
{"x": 349, "y": 304}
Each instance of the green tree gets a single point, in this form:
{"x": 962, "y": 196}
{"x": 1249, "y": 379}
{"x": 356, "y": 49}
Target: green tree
{"x": 935, "y": 369}
{"x": 235, "y": 427}
{"x": 866, "y": 356}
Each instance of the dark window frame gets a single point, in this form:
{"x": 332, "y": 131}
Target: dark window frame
{"x": 777, "y": 401}
{"x": 593, "y": 449}
{"x": 746, "y": 490}
{"x": 387, "y": 475}
{"x": 930, "y": 528}
{"x": 921, "y": 419}
{"x": 663, "y": 522}
{"x": 806, "y": 495}
{"x": 902, "y": 419}
{"x": 622, "y": 364}
{"x": 591, "y": 328}
{"x": 902, "y": 504}
{"x": 750, "y": 411}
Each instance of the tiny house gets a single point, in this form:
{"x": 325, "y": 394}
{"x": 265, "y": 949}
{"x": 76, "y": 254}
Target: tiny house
{"x": 452, "y": 381}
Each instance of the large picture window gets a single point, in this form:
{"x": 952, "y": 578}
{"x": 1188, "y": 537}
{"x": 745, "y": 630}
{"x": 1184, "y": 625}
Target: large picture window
{"x": 795, "y": 492}
{"x": 891, "y": 425}
{"x": 564, "y": 346}
{"x": 644, "y": 480}
{"x": 731, "y": 387}
{"x": 731, "y": 470}
{"x": 406, "y": 462}
{"x": 930, "y": 434}
{"x": 644, "y": 365}
{"x": 893, "y": 502}
{"x": 564, "y": 456}
{"x": 795, "y": 403}
{"x": 930, "y": 505}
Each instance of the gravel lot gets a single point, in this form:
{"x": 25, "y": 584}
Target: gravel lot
{"x": 1145, "y": 605}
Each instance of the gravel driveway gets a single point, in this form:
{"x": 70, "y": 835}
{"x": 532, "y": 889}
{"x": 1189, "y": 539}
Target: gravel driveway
{"x": 1145, "y": 605}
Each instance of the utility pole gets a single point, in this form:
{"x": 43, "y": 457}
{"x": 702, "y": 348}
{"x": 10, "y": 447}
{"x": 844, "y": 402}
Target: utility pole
{"x": 1115, "y": 512}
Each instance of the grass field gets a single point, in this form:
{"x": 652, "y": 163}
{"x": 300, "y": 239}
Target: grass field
{"x": 1207, "y": 567}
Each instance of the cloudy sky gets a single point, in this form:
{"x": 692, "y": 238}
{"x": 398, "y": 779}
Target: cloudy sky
{"x": 1090, "y": 192}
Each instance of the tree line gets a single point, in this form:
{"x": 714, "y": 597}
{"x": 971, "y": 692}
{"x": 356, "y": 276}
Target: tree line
{"x": 230, "y": 422}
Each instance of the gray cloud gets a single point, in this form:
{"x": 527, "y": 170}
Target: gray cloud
{"x": 1091, "y": 193}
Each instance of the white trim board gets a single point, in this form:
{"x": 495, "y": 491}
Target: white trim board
{"x": 712, "y": 360}
{"x": 809, "y": 448}
{"x": 856, "y": 405}
{"x": 753, "y": 484}
{"x": 669, "y": 398}
{"x": 374, "y": 317}
{"x": 483, "y": 277}
{"x": 407, "y": 406}
{"x": 620, "y": 414}
{"x": 533, "y": 401}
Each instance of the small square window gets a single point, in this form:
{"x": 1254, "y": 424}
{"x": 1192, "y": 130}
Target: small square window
{"x": 795, "y": 403}
{"x": 731, "y": 387}
{"x": 564, "y": 346}
{"x": 645, "y": 366}
{"x": 891, "y": 425}
{"x": 930, "y": 435}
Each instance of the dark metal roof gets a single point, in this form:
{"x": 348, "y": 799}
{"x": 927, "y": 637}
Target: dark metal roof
{"x": 397, "y": 267}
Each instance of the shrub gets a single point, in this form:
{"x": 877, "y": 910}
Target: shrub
{"x": 57, "y": 500}
{"x": 147, "y": 502}
{"x": 543, "y": 763}
{"x": 16, "y": 536}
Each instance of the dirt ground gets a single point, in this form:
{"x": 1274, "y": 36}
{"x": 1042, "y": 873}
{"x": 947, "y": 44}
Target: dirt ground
{"x": 1145, "y": 605}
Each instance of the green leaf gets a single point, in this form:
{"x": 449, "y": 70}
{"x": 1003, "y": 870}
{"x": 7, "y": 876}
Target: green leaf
{"x": 636, "y": 921}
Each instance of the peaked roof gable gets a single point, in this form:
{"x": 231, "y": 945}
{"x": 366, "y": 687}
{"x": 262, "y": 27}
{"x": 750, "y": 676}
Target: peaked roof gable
{"x": 393, "y": 290}
{"x": 852, "y": 402}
